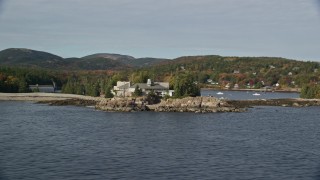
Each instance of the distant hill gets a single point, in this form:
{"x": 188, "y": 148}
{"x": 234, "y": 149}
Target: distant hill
{"x": 142, "y": 62}
{"x": 102, "y": 61}
{"x": 207, "y": 66}
{"x": 128, "y": 60}
{"x": 30, "y": 58}
{"x": 109, "y": 56}
{"x": 97, "y": 63}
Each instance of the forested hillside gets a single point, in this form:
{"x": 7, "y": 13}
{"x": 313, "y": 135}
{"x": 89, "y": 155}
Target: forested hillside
{"x": 96, "y": 74}
{"x": 253, "y": 72}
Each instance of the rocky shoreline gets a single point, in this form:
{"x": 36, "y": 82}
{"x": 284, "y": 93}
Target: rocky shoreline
{"x": 188, "y": 104}
{"x": 298, "y": 102}
{"x": 129, "y": 104}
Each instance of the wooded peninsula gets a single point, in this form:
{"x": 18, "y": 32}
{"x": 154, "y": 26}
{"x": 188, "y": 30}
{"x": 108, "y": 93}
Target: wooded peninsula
{"x": 96, "y": 75}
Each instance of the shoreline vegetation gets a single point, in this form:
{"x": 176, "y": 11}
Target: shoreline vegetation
{"x": 129, "y": 104}
{"x": 26, "y": 70}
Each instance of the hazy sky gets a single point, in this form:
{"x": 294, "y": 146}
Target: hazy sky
{"x": 164, "y": 28}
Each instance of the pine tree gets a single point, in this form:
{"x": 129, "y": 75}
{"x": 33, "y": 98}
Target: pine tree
{"x": 108, "y": 93}
{"x": 137, "y": 91}
{"x": 23, "y": 86}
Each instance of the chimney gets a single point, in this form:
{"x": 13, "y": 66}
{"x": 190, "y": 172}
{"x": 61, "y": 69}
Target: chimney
{"x": 149, "y": 82}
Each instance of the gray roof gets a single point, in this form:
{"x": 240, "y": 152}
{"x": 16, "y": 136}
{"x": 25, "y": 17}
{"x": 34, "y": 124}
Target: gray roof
{"x": 125, "y": 86}
{"x": 153, "y": 87}
{"x": 43, "y": 88}
{"x": 39, "y": 86}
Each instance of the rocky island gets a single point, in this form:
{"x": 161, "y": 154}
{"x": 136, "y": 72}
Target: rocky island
{"x": 129, "y": 104}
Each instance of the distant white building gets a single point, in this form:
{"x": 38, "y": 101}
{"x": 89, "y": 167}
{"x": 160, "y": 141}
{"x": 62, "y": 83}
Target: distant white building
{"x": 42, "y": 88}
{"x": 236, "y": 71}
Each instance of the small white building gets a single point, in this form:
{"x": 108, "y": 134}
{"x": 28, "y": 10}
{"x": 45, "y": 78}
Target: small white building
{"x": 227, "y": 86}
{"x": 236, "y": 71}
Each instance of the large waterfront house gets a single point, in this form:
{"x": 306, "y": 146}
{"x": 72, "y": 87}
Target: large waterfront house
{"x": 126, "y": 89}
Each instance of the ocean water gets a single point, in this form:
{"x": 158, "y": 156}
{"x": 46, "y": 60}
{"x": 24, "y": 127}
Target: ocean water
{"x": 39, "y": 141}
{"x": 241, "y": 95}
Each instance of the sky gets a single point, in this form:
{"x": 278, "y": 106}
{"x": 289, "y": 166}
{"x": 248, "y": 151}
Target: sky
{"x": 164, "y": 29}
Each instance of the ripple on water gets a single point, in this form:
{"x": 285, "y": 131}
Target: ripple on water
{"x": 53, "y": 142}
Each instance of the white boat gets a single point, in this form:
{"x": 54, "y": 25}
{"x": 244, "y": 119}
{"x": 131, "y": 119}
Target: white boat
{"x": 256, "y": 94}
{"x": 219, "y": 93}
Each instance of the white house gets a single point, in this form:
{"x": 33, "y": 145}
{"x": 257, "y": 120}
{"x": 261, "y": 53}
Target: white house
{"x": 124, "y": 88}
{"x": 160, "y": 88}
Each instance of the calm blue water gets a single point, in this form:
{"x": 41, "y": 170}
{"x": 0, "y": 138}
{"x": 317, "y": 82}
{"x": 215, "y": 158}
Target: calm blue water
{"x": 240, "y": 95}
{"x": 73, "y": 143}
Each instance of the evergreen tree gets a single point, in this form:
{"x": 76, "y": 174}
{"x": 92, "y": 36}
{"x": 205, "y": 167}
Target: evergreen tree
{"x": 80, "y": 89}
{"x": 108, "y": 93}
{"x": 69, "y": 86}
{"x": 23, "y": 86}
{"x": 185, "y": 86}
{"x": 137, "y": 91}
{"x": 96, "y": 90}
{"x": 153, "y": 98}
{"x": 310, "y": 91}
{"x": 2, "y": 89}
{"x": 36, "y": 89}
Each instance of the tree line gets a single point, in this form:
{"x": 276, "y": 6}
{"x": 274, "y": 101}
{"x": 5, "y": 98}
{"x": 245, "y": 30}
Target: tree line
{"x": 14, "y": 80}
{"x": 186, "y": 75}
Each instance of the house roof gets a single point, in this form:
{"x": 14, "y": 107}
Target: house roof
{"x": 41, "y": 86}
{"x": 155, "y": 86}
{"x": 125, "y": 86}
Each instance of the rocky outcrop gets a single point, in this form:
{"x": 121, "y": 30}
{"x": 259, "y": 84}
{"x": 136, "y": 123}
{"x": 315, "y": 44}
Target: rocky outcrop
{"x": 129, "y": 104}
{"x": 195, "y": 104}
{"x": 188, "y": 104}
{"x": 274, "y": 102}
{"x": 70, "y": 102}
{"x": 122, "y": 104}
